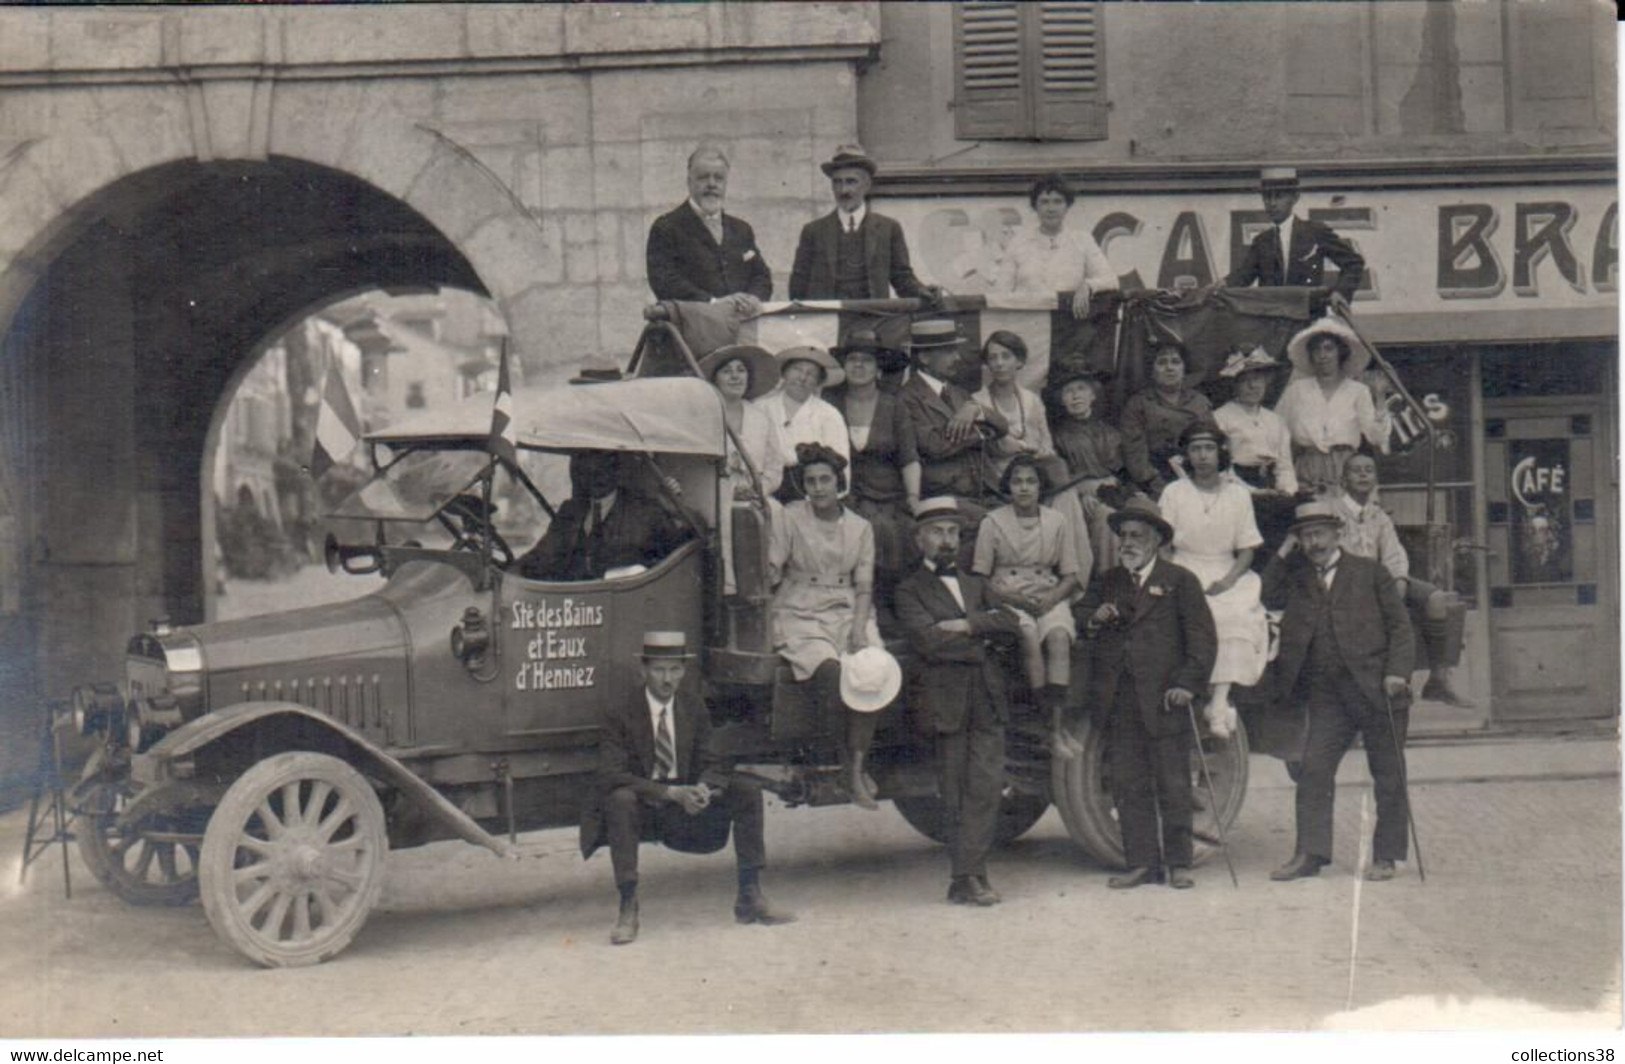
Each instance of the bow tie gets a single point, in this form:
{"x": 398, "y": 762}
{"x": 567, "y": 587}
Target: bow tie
{"x": 1323, "y": 571}
{"x": 947, "y": 568}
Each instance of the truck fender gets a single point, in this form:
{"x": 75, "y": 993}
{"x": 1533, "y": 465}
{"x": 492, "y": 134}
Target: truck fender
{"x": 213, "y": 727}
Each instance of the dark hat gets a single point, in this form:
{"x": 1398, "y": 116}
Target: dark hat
{"x": 1315, "y": 512}
{"x": 1202, "y": 430}
{"x": 939, "y": 508}
{"x": 868, "y": 341}
{"x": 932, "y": 333}
{"x": 849, "y": 155}
{"x": 1278, "y": 179}
{"x": 833, "y": 373}
{"x": 1140, "y": 508}
{"x": 1060, "y": 378}
{"x": 598, "y": 369}
{"x": 667, "y": 646}
{"x": 763, "y": 369}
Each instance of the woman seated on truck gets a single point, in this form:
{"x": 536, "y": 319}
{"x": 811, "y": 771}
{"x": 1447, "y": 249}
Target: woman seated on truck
{"x": 822, "y": 557}
{"x": 1027, "y": 552}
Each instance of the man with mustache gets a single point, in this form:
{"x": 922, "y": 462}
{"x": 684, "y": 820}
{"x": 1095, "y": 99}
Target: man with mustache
{"x": 1152, "y": 646}
{"x": 698, "y": 254}
{"x": 1347, "y": 650}
{"x": 852, "y": 252}
{"x": 952, "y": 625}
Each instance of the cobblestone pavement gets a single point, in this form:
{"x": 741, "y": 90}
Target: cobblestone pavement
{"x": 1521, "y": 909}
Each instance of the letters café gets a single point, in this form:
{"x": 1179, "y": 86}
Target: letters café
{"x": 1498, "y": 306}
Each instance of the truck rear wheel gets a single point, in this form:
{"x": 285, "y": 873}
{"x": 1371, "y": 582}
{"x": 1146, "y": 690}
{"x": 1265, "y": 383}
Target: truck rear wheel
{"x": 293, "y": 860}
{"x": 1082, "y": 790}
{"x": 1017, "y": 814}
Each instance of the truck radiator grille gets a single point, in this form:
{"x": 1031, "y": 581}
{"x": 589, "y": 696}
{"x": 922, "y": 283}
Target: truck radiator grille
{"x": 352, "y": 699}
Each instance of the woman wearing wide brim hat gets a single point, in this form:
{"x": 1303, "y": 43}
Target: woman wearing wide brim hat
{"x": 1260, "y": 445}
{"x": 1326, "y": 409}
{"x": 798, "y": 413}
{"x": 885, "y": 461}
{"x": 740, "y": 373}
{"x": 761, "y": 368}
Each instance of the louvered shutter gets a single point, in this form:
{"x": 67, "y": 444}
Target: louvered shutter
{"x": 992, "y": 97}
{"x": 1029, "y": 71}
{"x": 1070, "y": 86}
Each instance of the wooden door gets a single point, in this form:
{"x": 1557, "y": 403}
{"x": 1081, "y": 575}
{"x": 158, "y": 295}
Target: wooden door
{"x": 1550, "y": 500}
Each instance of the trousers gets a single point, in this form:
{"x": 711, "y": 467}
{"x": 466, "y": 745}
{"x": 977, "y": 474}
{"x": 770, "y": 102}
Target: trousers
{"x": 630, "y": 820}
{"x": 1150, "y": 775}
{"x": 1337, "y": 711}
{"x": 970, "y": 770}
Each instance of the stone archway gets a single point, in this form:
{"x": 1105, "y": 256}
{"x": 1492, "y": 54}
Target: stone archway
{"x": 123, "y": 318}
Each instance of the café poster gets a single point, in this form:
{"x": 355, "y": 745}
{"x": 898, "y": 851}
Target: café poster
{"x": 1542, "y": 532}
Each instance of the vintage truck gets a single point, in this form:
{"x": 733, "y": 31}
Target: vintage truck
{"x": 269, "y": 764}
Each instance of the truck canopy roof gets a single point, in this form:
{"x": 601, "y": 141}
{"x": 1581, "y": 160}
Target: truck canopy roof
{"x": 662, "y": 415}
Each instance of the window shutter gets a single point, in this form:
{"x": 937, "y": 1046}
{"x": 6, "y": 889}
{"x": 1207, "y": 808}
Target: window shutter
{"x": 992, "y": 97}
{"x": 1070, "y": 67}
{"x": 1552, "y": 69}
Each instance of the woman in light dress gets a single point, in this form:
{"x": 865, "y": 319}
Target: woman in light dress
{"x": 742, "y": 373}
{"x": 798, "y": 413}
{"x": 1327, "y": 408}
{"x": 1215, "y": 537}
{"x": 822, "y": 558}
{"x": 1054, "y": 259}
{"x": 1260, "y": 444}
{"x": 1027, "y": 553}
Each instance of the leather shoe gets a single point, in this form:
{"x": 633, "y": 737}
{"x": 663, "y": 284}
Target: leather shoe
{"x": 1180, "y": 878}
{"x": 981, "y": 892}
{"x": 959, "y": 890}
{"x": 626, "y": 925}
{"x": 1134, "y": 877}
{"x": 752, "y": 907}
{"x": 1438, "y": 689}
{"x": 1302, "y": 866}
{"x": 1380, "y": 871}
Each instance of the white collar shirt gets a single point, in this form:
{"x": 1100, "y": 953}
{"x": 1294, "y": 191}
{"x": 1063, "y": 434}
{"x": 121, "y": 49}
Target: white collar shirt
{"x": 851, "y": 221}
{"x": 951, "y": 582}
{"x": 1328, "y": 572}
{"x": 931, "y": 382}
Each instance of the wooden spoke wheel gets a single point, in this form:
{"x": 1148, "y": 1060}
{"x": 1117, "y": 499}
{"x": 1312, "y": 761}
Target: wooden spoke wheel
{"x": 1082, "y": 789}
{"x": 293, "y": 859}
{"x": 153, "y": 863}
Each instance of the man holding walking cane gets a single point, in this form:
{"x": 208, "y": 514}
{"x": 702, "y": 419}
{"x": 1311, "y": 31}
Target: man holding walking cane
{"x": 1346, "y": 655}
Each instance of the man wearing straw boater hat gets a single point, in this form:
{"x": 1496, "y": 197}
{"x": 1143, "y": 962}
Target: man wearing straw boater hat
{"x": 951, "y": 624}
{"x": 1346, "y": 658}
{"x": 1293, "y": 250}
{"x": 660, "y": 781}
{"x": 852, "y": 252}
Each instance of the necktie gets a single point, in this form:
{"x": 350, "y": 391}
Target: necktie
{"x": 852, "y": 223}
{"x": 1325, "y": 574}
{"x": 665, "y": 746}
{"x": 1280, "y": 244}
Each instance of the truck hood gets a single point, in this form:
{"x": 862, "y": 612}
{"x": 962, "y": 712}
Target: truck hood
{"x": 309, "y": 636}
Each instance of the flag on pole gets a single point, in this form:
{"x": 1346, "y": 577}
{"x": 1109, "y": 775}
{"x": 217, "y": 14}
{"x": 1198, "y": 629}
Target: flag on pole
{"x": 503, "y": 443}
{"x": 338, "y": 428}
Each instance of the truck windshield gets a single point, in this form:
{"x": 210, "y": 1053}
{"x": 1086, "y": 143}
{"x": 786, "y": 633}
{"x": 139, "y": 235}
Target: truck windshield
{"x": 415, "y": 487}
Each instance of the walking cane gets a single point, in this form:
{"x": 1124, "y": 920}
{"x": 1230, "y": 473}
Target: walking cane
{"x": 1405, "y": 786}
{"x": 1212, "y": 796}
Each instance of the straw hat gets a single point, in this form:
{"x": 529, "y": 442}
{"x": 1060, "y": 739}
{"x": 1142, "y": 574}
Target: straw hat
{"x": 1254, "y": 361}
{"x": 939, "y": 508}
{"x": 1297, "y": 349}
{"x": 931, "y": 334}
{"x": 833, "y": 373}
{"x": 1317, "y": 512}
{"x": 870, "y": 679}
{"x": 763, "y": 370}
{"x": 1278, "y": 179}
{"x": 665, "y": 646}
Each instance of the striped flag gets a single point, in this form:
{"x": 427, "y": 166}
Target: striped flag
{"x": 503, "y": 443}
{"x": 338, "y": 429}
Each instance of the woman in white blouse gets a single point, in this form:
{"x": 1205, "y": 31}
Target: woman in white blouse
{"x": 1327, "y": 409}
{"x": 742, "y": 373}
{"x": 798, "y": 413}
{"x": 1054, "y": 258}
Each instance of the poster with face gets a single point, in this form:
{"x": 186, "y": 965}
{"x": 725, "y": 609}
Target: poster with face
{"x": 1542, "y": 534}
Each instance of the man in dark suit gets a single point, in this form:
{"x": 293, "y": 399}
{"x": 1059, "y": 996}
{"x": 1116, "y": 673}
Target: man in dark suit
{"x": 1293, "y": 250}
{"x": 660, "y": 781}
{"x": 852, "y": 252}
{"x": 698, "y": 254}
{"x": 1347, "y": 650}
{"x": 603, "y": 527}
{"x": 1153, "y": 646}
{"x": 950, "y": 428}
{"x": 960, "y": 690}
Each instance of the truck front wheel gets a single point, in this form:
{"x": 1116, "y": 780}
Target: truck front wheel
{"x": 293, "y": 859}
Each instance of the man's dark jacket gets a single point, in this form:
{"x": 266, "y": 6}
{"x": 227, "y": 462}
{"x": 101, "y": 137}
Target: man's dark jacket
{"x": 1313, "y": 243}
{"x": 637, "y": 531}
{"x": 1368, "y": 618}
{"x": 626, "y": 758}
{"x": 885, "y": 252}
{"x": 949, "y": 663}
{"x": 1164, "y": 633}
{"x": 685, "y": 263}
{"x": 947, "y": 467}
